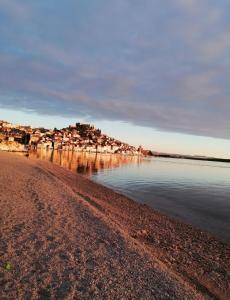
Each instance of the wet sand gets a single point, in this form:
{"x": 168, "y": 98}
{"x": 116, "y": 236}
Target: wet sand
{"x": 66, "y": 237}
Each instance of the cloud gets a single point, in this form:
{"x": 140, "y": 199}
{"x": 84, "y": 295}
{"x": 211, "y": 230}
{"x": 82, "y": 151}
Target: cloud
{"x": 14, "y": 9}
{"x": 162, "y": 64}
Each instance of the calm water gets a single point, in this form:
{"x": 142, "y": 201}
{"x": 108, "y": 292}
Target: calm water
{"x": 193, "y": 191}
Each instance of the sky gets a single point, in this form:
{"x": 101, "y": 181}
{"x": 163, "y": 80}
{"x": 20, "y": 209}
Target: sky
{"x": 148, "y": 72}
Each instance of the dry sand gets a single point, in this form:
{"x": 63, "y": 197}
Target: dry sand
{"x": 66, "y": 237}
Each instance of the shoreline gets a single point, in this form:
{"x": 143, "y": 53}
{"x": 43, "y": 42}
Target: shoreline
{"x": 189, "y": 157}
{"x": 89, "y": 165}
{"x": 192, "y": 258}
{"x": 153, "y": 155}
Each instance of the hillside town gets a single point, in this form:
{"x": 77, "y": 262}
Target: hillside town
{"x": 77, "y": 137}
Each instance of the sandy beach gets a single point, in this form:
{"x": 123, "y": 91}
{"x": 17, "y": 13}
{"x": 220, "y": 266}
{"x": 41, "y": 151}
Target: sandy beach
{"x": 63, "y": 236}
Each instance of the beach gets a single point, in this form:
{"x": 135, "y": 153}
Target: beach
{"x": 64, "y": 236}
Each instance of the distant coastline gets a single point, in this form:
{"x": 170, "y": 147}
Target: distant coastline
{"x": 191, "y": 157}
{"x": 78, "y": 137}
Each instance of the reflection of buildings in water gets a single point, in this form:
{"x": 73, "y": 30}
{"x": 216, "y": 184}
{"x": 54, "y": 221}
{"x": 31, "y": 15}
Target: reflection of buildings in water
{"x": 83, "y": 162}
{"x": 81, "y": 169}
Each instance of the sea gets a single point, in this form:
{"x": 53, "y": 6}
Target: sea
{"x": 195, "y": 192}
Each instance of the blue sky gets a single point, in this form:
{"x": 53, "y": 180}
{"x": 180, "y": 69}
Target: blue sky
{"x": 151, "y": 72}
